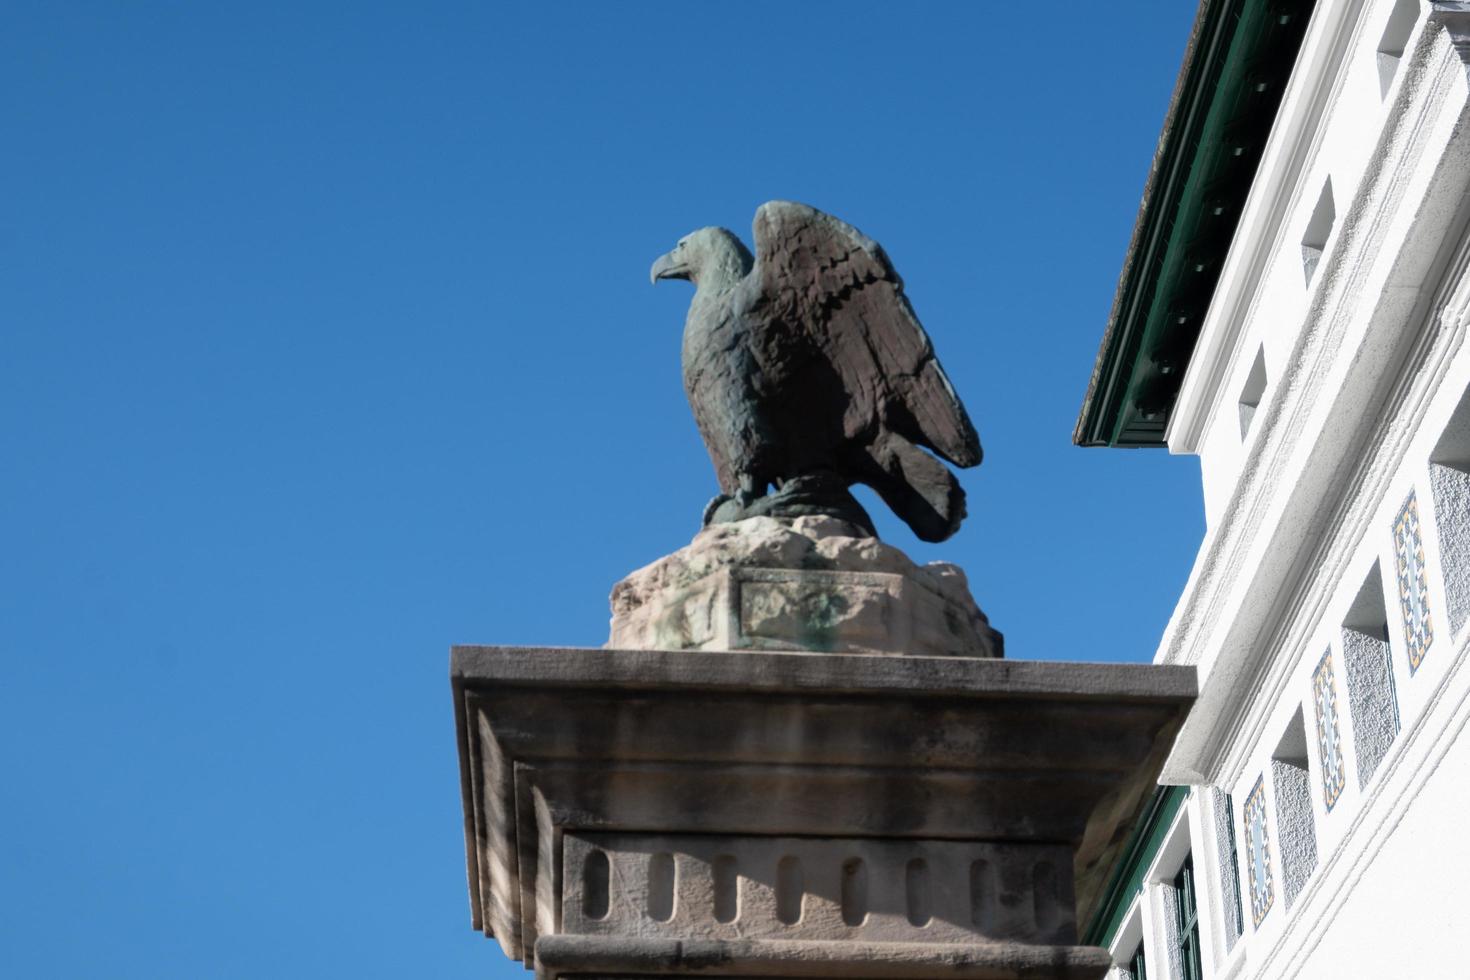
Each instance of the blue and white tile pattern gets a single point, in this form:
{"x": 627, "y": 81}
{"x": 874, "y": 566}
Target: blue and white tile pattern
{"x": 1258, "y": 855}
{"x": 1408, "y": 546}
{"x": 1329, "y": 732}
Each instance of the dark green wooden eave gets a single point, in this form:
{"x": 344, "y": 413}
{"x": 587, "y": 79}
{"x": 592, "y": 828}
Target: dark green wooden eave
{"x": 1126, "y": 879}
{"x": 1236, "y": 67}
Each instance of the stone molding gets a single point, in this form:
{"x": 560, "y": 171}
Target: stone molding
{"x": 853, "y": 889}
{"x": 589, "y": 956}
{"x": 1026, "y": 774}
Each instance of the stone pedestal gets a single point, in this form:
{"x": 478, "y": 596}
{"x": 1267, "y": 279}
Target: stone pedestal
{"x": 806, "y": 583}
{"x": 746, "y": 813}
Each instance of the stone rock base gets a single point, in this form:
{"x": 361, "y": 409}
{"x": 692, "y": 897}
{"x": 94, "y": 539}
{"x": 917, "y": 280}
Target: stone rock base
{"x": 804, "y": 584}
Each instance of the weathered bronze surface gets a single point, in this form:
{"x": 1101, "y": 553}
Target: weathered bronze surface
{"x": 808, "y": 372}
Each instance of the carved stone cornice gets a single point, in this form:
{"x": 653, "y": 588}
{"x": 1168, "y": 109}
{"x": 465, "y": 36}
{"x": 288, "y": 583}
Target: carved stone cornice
{"x": 982, "y": 800}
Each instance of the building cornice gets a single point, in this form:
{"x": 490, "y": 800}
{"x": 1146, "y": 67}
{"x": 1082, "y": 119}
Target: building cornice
{"x": 1236, "y": 66}
{"x": 1293, "y": 144}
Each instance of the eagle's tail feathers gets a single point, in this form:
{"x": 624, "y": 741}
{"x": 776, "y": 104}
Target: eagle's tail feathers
{"x": 919, "y": 488}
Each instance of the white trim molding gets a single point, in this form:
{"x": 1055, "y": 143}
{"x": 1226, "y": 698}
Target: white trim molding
{"x": 1377, "y": 332}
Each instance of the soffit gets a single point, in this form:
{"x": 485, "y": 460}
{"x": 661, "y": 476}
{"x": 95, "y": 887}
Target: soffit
{"x": 1235, "y": 70}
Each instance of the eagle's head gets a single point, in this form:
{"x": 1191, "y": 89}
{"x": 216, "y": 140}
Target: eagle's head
{"x": 709, "y": 258}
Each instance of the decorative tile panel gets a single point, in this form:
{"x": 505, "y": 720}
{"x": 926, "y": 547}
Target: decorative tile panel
{"x": 1258, "y": 855}
{"x": 1408, "y": 546}
{"x": 1329, "y": 733}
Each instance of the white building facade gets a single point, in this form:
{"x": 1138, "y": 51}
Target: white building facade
{"x": 1310, "y": 348}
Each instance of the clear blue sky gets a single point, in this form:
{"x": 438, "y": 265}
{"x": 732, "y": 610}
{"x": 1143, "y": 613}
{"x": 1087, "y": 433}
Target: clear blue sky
{"x": 326, "y": 341}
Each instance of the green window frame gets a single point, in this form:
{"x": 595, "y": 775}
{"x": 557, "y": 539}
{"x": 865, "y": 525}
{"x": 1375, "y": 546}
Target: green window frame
{"x": 1237, "y": 925}
{"x": 1187, "y": 922}
{"x": 1138, "y": 966}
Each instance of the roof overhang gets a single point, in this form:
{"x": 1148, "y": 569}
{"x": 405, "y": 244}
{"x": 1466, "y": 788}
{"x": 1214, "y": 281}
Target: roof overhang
{"x": 1235, "y": 70}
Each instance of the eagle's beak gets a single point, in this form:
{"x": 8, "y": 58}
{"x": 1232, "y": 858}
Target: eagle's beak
{"x": 667, "y": 268}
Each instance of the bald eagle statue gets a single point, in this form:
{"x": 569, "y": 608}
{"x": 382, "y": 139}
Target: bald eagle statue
{"x": 808, "y": 372}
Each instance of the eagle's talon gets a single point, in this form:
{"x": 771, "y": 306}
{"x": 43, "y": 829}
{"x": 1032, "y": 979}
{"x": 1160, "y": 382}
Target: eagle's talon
{"x": 749, "y": 490}
{"x": 711, "y": 508}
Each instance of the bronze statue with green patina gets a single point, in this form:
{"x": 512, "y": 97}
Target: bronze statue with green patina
{"x": 808, "y": 372}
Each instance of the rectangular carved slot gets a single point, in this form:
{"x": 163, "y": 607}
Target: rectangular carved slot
{"x": 726, "y": 886}
{"x": 1449, "y": 480}
{"x": 1372, "y": 701}
{"x": 1296, "y": 832}
{"x": 1254, "y": 390}
{"x": 1319, "y": 229}
{"x": 1395, "y": 38}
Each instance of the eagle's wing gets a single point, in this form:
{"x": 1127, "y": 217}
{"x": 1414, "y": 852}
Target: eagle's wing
{"x": 824, "y": 278}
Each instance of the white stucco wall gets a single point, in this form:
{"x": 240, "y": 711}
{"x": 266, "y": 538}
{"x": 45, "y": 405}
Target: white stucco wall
{"x": 1368, "y": 362}
{"x": 1405, "y": 915}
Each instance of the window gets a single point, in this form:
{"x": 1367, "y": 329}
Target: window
{"x": 1223, "y": 808}
{"x": 1138, "y": 965}
{"x": 1188, "y": 922}
{"x": 1129, "y": 942}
